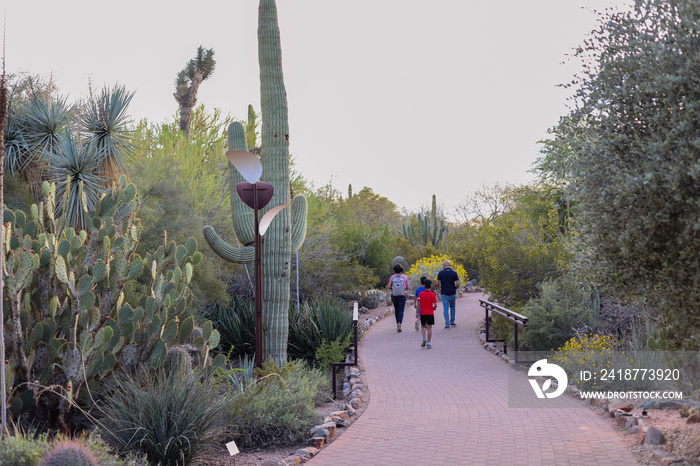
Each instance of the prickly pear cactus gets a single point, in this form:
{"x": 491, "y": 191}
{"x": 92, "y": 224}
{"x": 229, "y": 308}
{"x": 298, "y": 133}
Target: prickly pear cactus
{"x": 68, "y": 325}
{"x": 287, "y": 231}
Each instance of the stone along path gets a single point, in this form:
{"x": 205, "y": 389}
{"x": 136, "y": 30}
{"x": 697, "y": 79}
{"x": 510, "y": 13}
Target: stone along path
{"x": 449, "y": 405}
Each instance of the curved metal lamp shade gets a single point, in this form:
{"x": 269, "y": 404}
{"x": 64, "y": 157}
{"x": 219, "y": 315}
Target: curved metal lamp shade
{"x": 246, "y": 163}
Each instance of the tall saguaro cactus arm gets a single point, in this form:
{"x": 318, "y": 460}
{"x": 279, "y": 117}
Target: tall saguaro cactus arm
{"x": 243, "y": 216}
{"x": 299, "y": 211}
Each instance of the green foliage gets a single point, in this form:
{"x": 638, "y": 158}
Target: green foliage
{"x": 332, "y": 351}
{"x": 236, "y": 324}
{"x": 170, "y": 418}
{"x": 318, "y": 321}
{"x": 23, "y": 450}
{"x": 68, "y": 324}
{"x": 520, "y": 248}
{"x": 326, "y": 267}
{"x": 562, "y": 305}
{"x": 179, "y": 179}
{"x": 629, "y": 154}
{"x": 236, "y": 379}
{"x": 278, "y": 409}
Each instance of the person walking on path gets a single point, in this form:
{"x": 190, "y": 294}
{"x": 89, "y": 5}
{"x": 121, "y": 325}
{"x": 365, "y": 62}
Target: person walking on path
{"x": 399, "y": 286}
{"x": 448, "y": 282}
{"x": 419, "y": 290}
{"x": 426, "y": 310}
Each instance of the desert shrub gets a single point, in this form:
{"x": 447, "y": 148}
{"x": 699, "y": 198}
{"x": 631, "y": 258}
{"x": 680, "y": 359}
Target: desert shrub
{"x": 429, "y": 267}
{"x": 331, "y": 351}
{"x": 278, "y": 409}
{"x": 168, "y": 417}
{"x": 316, "y": 321}
{"x": 234, "y": 380}
{"x": 23, "y": 450}
{"x": 586, "y": 352}
{"x": 236, "y": 325}
{"x": 561, "y": 307}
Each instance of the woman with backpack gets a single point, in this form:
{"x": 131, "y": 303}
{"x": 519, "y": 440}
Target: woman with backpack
{"x": 398, "y": 283}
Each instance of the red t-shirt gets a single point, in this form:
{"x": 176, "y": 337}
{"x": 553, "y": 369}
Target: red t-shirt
{"x": 426, "y": 299}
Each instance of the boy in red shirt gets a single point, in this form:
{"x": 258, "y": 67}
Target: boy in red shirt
{"x": 428, "y": 304}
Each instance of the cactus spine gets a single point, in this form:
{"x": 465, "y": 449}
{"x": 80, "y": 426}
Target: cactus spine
{"x": 69, "y": 452}
{"x": 287, "y": 231}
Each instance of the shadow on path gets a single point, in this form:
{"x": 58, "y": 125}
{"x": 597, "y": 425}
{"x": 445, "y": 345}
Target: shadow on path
{"x": 449, "y": 405}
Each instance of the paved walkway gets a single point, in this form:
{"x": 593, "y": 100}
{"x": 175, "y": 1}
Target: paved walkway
{"x": 448, "y": 405}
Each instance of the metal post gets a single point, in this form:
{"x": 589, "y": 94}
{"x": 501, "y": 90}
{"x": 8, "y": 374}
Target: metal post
{"x": 355, "y": 350}
{"x": 258, "y": 285}
{"x": 486, "y": 321}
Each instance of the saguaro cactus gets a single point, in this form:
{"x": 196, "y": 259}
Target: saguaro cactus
{"x": 428, "y": 230}
{"x": 287, "y": 231}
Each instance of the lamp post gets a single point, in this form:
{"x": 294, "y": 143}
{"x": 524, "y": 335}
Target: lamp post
{"x": 255, "y": 194}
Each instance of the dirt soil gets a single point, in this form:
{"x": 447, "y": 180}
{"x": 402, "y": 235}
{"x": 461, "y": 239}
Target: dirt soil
{"x": 682, "y": 440}
{"x": 219, "y": 455}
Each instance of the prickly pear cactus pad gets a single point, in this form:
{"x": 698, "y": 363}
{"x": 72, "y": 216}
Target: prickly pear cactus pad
{"x": 68, "y": 325}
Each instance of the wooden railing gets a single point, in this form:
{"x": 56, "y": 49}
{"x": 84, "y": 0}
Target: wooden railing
{"x": 518, "y": 320}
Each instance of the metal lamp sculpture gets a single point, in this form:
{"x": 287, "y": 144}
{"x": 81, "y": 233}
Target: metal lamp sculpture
{"x": 255, "y": 194}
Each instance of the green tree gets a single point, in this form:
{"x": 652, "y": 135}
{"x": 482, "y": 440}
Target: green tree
{"x": 188, "y": 81}
{"x": 630, "y": 152}
{"x": 326, "y": 268}
{"x": 519, "y": 249}
{"x": 179, "y": 179}
{"x": 366, "y": 221}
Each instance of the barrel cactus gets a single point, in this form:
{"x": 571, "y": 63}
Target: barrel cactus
{"x": 287, "y": 231}
{"x": 69, "y": 452}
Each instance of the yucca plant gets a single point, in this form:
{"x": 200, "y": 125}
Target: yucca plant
{"x": 86, "y": 143}
{"x": 107, "y": 136}
{"x": 317, "y": 321}
{"x": 170, "y": 418}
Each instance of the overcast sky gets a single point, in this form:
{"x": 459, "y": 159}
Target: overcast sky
{"x": 411, "y": 98}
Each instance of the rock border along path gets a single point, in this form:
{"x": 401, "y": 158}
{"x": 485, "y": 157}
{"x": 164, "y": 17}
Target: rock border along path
{"x": 448, "y": 405}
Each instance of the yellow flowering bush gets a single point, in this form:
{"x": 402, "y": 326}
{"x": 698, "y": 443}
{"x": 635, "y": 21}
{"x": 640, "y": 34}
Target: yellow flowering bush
{"x": 591, "y": 353}
{"x": 429, "y": 267}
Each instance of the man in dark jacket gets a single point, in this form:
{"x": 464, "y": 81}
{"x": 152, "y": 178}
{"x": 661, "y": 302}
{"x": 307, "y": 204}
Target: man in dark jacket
{"x": 448, "y": 282}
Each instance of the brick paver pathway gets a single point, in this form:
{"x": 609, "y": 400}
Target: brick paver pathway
{"x": 449, "y": 405}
